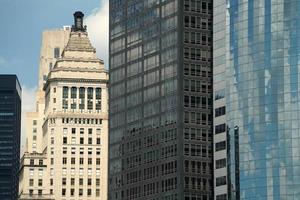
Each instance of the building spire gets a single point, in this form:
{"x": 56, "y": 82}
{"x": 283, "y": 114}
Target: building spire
{"x": 78, "y": 22}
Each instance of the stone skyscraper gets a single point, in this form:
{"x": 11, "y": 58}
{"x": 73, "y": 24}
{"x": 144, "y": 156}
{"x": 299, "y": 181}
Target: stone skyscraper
{"x": 75, "y": 125}
{"x": 10, "y": 129}
{"x": 160, "y": 100}
{"x": 33, "y": 174}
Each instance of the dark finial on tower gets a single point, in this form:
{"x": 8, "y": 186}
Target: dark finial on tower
{"x": 78, "y": 22}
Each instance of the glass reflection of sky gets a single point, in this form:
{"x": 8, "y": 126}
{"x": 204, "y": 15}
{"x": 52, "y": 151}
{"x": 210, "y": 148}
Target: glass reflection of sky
{"x": 262, "y": 95}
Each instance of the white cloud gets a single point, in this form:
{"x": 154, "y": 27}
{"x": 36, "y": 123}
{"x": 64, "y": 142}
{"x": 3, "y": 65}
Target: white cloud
{"x": 97, "y": 27}
{"x": 28, "y": 105}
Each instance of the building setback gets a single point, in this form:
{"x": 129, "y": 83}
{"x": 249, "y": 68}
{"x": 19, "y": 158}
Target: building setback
{"x": 33, "y": 170}
{"x": 76, "y": 120}
{"x": 10, "y": 129}
{"x": 160, "y": 100}
{"x": 70, "y": 161}
{"x": 256, "y": 99}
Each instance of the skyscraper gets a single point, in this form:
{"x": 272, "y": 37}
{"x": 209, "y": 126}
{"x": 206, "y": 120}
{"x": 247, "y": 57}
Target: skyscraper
{"x": 33, "y": 171}
{"x": 256, "y": 99}
{"x": 76, "y": 120}
{"x": 10, "y": 128}
{"x": 160, "y": 100}
{"x": 70, "y": 126}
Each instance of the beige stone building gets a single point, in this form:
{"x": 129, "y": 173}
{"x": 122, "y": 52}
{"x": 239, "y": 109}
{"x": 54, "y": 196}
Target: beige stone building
{"x": 33, "y": 175}
{"x": 75, "y": 123}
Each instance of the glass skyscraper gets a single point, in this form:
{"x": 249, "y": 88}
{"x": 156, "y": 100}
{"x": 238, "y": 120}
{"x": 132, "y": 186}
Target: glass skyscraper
{"x": 256, "y": 99}
{"x": 160, "y": 132}
{"x": 10, "y": 128}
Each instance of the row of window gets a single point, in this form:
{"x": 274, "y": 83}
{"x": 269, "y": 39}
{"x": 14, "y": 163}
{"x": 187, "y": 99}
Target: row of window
{"x": 196, "y": 70}
{"x": 197, "y": 102}
{"x": 197, "y": 150}
{"x": 198, "y": 6}
{"x": 81, "y": 121}
{"x": 40, "y": 182}
{"x": 197, "y": 22}
{"x": 196, "y": 183}
{"x": 73, "y": 172}
{"x": 81, "y": 140}
{"x": 34, "y": 162}
{"x": 81, "y": 161}
{"x": 200, "y": 134}
{"x": 198, "y": 54}
{"x": 81, "y": 92}
{"x": 81, "y": 131}
{"x": 81, "y": 150}
{"x": 80, "y": 192}
{"x": 89, "y": 181}
{"x": 197, "y": 167}
{"x": 197, "y": 118}
{"x": 197, "y": 86}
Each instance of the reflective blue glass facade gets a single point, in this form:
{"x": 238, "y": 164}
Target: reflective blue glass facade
{"x": 257, "y": 61}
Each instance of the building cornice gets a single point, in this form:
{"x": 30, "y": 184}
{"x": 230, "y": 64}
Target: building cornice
{"x": 73, "y": 80}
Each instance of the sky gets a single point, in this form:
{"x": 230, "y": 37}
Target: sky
{"x": 22, "y": 24}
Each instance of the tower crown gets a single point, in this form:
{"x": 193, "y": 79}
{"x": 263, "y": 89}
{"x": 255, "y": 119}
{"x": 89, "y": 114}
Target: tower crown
{"x": 78, "y": 22}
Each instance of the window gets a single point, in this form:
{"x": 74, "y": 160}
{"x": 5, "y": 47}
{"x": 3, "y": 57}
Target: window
{"x": 97, "y": 192}
{"x": 98, "y": 93}
{"x": 30, "y": 192}
{"x": 97, "y": 182}
{"x": 90, "y": 161}
{"x": 72, "y": 191}
{"x": 72, "y": 171}
{"x": 51, "y": 181}
{"x": 89, "y": 192}
{"x": 63, "y": 192}
{"x": 220, "y": 128}
{"x": 220, "y": 111}
{"x": 81, "y": 130}
{"x": 90, "y": 131}
{"x": 220, "y": 163}
{"x": 65, "y": 92}
{"x": 81, "y": 161}
{"x": 65, "y": 140}
{"x": 64, "y": 181}
{"x": 56, "y": 52}
{"x": 31, "y": 161}
{"x": 31, "y": 172}
{"x": 73, "y": 92}
{"x": 81, "y": 181}
{"x": 221, "y": 181}
{"x": 220, "y": 146}
{"x": 40, "y": 162}
{"x": 40, "y": 172}
{"x": 72, "y": 181}
{"x": 90, "y": 141}
{"x": 98, "y": 131}
{"x": 64, "y": 171}
{"x": 73, "y": 130}
{"x": 89, "y": 181}
{"x": 40, "y": 182}
{"x": 80, "y": 192}
{"x": 97, "y": 161}
{"x": 31, "y": 182}
{"x": 72, "y": 161}
{"x": 81, "y": 140}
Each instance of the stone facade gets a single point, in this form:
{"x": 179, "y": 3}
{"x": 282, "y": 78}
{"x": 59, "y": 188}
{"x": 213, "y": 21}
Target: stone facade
{"x": 75, "y": 124}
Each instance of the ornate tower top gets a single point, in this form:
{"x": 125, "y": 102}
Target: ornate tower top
{"x": 78, "y": 22}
